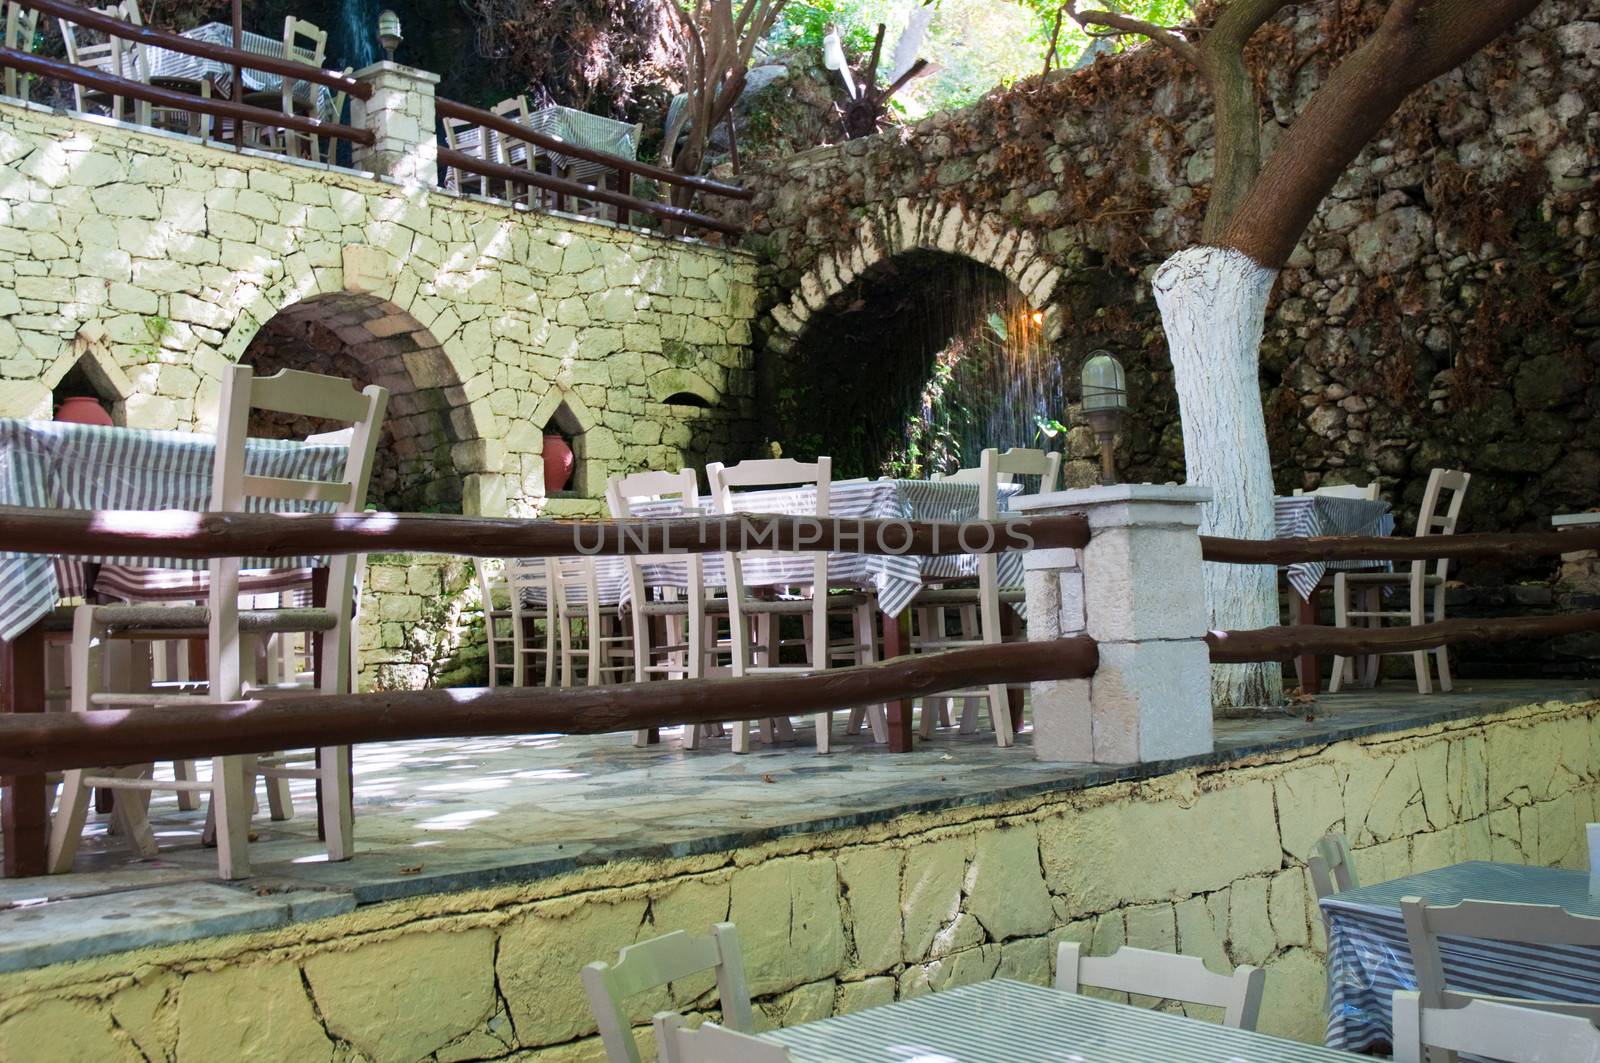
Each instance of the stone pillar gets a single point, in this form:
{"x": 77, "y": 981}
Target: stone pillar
{"x": 1136, "y": 589}
{"x": 400, "y": 115}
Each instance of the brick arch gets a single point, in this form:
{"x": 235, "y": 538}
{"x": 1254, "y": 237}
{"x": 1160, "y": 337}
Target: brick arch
{"x": 920, "y": 225}
{"x": 440, "y": 449}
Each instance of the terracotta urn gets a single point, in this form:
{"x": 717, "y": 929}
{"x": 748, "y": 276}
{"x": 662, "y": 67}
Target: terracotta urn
{"x": 82, "y": 409}
{"x": 558, "y": 463}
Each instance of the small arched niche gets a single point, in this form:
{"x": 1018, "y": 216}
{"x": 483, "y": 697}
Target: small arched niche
{"x": 87, "y": 379}
{"x": 687, "y": 400}
{"x": 565, "y": 424}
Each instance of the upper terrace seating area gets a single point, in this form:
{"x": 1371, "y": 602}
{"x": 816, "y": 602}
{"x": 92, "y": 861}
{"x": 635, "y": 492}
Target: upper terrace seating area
{"x": 265, "y": 88}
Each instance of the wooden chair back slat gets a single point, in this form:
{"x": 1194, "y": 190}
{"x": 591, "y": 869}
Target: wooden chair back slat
{"x": 1166, "y": 976}
{"x": 649, "y": 964}
{"x": 1332, "y": 869}
{"x": 710, "y": 1043}
{"x": 1492, "y": 1030}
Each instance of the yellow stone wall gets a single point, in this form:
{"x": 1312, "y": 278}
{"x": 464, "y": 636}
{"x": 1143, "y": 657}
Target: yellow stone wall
{"x": 1207, "y": 862}
{"x": 158, "y": 259}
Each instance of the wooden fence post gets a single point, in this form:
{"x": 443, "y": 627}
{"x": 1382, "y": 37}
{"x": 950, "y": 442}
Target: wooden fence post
{"x": 1136, "y": 590}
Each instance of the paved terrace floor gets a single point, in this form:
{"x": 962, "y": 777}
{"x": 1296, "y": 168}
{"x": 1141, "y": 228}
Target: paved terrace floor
{"x": 441, "y": 816}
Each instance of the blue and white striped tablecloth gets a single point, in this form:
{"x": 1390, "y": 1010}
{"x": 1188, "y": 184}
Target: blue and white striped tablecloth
{"x": 53, "y": 465}
{"x": 1368, "y": 958}
{"x": 1002, "y": 1021}
{"x": 895, "y": 578}
{"x": 1306, "y": 516}
{"x": 179, "y": 65}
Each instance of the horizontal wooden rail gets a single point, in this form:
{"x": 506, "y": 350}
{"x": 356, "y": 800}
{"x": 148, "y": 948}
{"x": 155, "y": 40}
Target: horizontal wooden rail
{"x": 112, "y": 85}
{"x": 1281, "y": 643}
{"x": 501, "y": 124}
{"x": 1489, "y": 546}
{"x": 501, "y": 172}
{"x": 79, "y": 15}
{"x": 35, "y": 742}
{"x": 178, "y": 534}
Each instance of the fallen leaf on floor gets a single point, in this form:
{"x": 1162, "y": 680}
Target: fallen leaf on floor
{"x": 253, "y": 836}
{"x": 768, "y": 778}
{"x": 412, "y": 870}
{"x": 946, "y": 756}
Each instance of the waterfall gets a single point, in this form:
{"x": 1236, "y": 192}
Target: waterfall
{"x": 994, "y": 377}
{"x": 358, "y": 32}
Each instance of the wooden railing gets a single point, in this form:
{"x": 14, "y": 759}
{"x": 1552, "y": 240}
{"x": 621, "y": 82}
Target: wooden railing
{"x": 561, "y": 189}
{"x": 35, "y": 742}
{"x": 236, "y": 110}
{"x": 1280, "y": 643}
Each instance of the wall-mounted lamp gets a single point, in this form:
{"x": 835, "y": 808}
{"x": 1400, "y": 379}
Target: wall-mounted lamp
{"x": 389, "y": 32}
{"x": 1105, "y": 400}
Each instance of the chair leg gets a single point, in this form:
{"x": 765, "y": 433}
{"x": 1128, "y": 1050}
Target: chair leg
{"x": 1419, "y": 659}
{"x": 183, "y": 771}
{"x": 230, "y": 803}
{"x": 1000, "y": 714}
{"x": 1341, "y": 619}
{"x": 280, "y": 803}
{"x": 338, "y": 818}
{"x": 131, "y": 813}
{"x": 66, "y": 826}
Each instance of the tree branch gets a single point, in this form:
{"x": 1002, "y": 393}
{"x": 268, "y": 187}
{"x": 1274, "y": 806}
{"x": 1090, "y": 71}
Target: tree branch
{"x": 1416, "y": 42}
{"x": 1122, "y": 25}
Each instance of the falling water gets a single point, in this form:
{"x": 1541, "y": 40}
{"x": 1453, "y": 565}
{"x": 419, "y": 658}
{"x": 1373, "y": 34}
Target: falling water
{"x": 994, "y": 380}
{"x": 358, "y": 40}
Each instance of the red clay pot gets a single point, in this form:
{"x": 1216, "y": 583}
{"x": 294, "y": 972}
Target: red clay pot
{"x": 558, "y": 464}
{"x": 81, "y": 409}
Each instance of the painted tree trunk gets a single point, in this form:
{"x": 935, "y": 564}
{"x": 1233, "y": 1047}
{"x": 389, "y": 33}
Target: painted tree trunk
{"x": 1213, "y": 303}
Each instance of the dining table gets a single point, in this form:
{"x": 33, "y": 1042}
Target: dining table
{"x": 1369, "y": 957}
{"x": 593, "y": 131}
{"x": 894, "y": 579}
{"x": 180, "y": 66}
{"x": 1005, "y": 1021}
{"x": 59, "y": 465}
{"x": 1313, "y": 515}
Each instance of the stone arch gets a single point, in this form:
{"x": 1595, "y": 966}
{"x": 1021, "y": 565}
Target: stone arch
{"x": 921, "y": 225}
{"x": 670, "y": 383}
{"x": 441, "y": 449}
{"x": 921, "y": 361}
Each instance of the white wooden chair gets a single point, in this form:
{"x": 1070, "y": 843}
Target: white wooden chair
{"x": 109, "y": 55}
{"x": 457, "y": 180}
{"x": 654, "y": 963}
{"x": 594, "y": 645}
{"x": 1491, "y": 1030}
{"x": 710, "y": 1043}
{"x": 1421, "y": 584}
{"x": 1525, "y": 924}
{"x": 754, "y": 619}
{"x": 509, "y": 151}
{"x": 231, "y": 632}
{"x": 979, "y": 608}
{"x": 1166, "y": 976}
{"x": 679, "y": 618}
{"x": 533, "y": 626}
{"x": 497, "y": 619}
{"x": 305, "y": 43}
{"x": 1332, "y": 869}
{"x": 22, "y": 27}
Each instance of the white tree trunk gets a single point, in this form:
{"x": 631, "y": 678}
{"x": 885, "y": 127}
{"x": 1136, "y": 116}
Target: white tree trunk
{"x": 1213, "y": 303}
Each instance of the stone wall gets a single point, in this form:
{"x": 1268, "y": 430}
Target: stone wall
{"x": 1440, "y": 310}
{"x": 1206, "y": 862}
{"x": 150, "y": 261}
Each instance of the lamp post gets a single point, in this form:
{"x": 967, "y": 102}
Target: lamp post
{"x": 389, "y": 32}
{"x": 1105, "y": 400}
